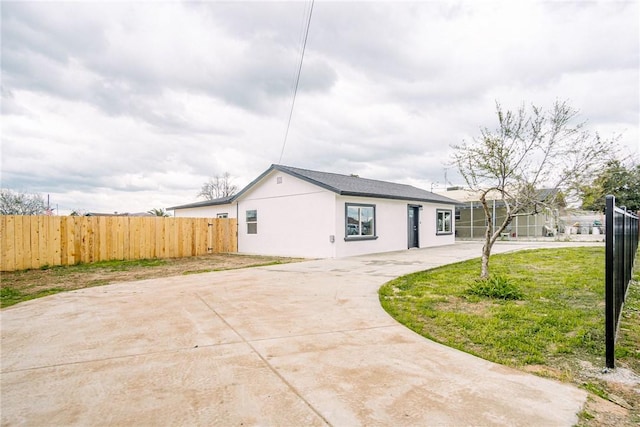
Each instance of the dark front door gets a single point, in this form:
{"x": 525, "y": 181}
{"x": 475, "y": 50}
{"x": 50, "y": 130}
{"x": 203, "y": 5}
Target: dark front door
{"x": 414, "y": 226}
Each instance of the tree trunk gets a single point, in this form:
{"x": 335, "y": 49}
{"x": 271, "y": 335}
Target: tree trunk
{"x": 486, "y": 248}
{"x": 486, "y": 253}
{"x": 490, "y": 236}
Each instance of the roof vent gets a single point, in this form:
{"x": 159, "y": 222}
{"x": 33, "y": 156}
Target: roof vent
{"x": 353, "y": 175}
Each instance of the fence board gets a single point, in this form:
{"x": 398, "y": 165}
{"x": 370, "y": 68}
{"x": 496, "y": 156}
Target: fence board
{"x": 8, "y": 240}
{"x": 35, "y": 241}
{"x": 18, "y": 237}
{"x": 34, "y": 259}
{"x": 43, "y": 239}
{"x": 85, "y": 243}
{"x": 201, "y": 235}
{"x": 142, "y": 245}
{"x": 219, "y": 242}
{"x": 95, "y": 253}
{"x": 174, "y": 239}
{"x": 74, "y": 237}
{"x": 159, "y": 233}
{"x": 54, "y": 234}
{"x": 64, "y": 259}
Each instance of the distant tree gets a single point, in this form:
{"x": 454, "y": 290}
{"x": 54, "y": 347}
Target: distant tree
{"x": 17, "y": 203}
{"x": 529, "y": 151}
{"x": 158, "y": 212}
{"x": 617, "y": 179}
{"x": 218, "y": 187}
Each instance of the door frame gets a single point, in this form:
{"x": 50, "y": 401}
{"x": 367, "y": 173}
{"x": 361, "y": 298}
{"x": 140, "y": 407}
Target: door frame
{"x": 413, "y": 227}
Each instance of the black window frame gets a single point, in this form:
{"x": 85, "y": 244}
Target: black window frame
{"x": 451, "y": 219}
{"x": 359, "y": 237}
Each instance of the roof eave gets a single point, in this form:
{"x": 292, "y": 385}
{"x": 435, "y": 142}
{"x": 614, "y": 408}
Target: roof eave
{"x": 217, "y": 202}
{"x": 392, "y": 197}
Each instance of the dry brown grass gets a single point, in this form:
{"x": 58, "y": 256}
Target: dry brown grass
{"x": 18, "y": 286}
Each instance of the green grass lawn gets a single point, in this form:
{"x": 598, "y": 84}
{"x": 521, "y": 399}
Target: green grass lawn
{"x": 551, "y": 317}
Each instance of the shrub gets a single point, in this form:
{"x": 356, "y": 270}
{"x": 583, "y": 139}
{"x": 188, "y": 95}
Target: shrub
{"x": 497, "y": 287}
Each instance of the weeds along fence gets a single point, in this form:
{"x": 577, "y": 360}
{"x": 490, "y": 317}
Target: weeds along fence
{"x": 621, "y": 231}
{"x": 37, "y": 241}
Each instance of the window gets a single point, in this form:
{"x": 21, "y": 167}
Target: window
{"x": 222, "y": 215}
{"x": 360, "y": 222}
{"x": 443, "y": 225}
{"x": 252, "y": 222}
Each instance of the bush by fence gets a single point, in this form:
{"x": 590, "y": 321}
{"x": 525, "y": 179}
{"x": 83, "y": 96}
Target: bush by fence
{"x": 37, "y": 241}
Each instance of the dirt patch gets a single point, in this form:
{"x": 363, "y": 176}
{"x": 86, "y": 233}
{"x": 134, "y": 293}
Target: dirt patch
{"x": 28, "y": 284}
{"x": 461, "y": 305}
{"x": 549, "y": 372}
{"x": 601, "y": 412}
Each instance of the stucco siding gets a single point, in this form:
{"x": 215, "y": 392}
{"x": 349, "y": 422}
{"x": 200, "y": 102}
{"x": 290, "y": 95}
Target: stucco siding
{"x": 293, "y": 218}
{"x": 391, "y": 226}
{"x": 428, "y": 226}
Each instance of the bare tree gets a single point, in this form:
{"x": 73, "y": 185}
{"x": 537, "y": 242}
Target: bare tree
{"x": 17, "y": 203}
{"x": 218, "y": 187}
{"x": 528, "y": 151}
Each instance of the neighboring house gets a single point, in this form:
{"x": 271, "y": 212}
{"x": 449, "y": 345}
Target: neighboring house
{"x": 471, "y": 221}
{"x": 288, "y": 211}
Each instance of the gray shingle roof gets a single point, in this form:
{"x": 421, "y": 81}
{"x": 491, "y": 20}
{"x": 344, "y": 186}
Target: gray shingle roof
{"x": 348, "y": 185}
{"x": 214, "y": 202}
{"x": 345, "y": 185}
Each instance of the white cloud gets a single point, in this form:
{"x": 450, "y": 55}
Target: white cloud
{"x": 132, "y": 105}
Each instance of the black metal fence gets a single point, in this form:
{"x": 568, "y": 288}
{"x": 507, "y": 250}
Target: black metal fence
{"x": 621, "y": 229}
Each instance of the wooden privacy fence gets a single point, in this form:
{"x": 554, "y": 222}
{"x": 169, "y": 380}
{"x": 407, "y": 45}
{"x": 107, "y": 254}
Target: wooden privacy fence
{"x": 36, "y": 241}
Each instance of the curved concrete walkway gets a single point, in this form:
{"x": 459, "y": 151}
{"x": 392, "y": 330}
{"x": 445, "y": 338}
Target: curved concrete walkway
{"x": 296, "y": 344}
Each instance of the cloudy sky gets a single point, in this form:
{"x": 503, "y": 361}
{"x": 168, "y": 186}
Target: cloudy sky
{"x": 132, "y": 105}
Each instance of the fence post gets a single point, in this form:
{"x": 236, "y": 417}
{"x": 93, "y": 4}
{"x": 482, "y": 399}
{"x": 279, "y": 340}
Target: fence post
{"x": 609, "y": 315}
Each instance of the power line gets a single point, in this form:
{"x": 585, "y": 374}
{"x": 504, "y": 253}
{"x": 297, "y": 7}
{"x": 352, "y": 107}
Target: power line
{"x": 295, "y": 90}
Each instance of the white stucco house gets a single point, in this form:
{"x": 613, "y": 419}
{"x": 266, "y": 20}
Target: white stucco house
{"x": 288, "y": 211}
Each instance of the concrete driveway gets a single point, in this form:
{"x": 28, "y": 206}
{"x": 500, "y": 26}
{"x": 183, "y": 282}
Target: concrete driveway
{"x": 290, "y": 345}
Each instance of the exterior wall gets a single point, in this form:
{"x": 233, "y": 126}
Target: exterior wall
{"x": 391, "y": 227}
{"x": 428, "y": 226}
{"x": 206, "y": 211}
{"x": 293, "y": 218}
